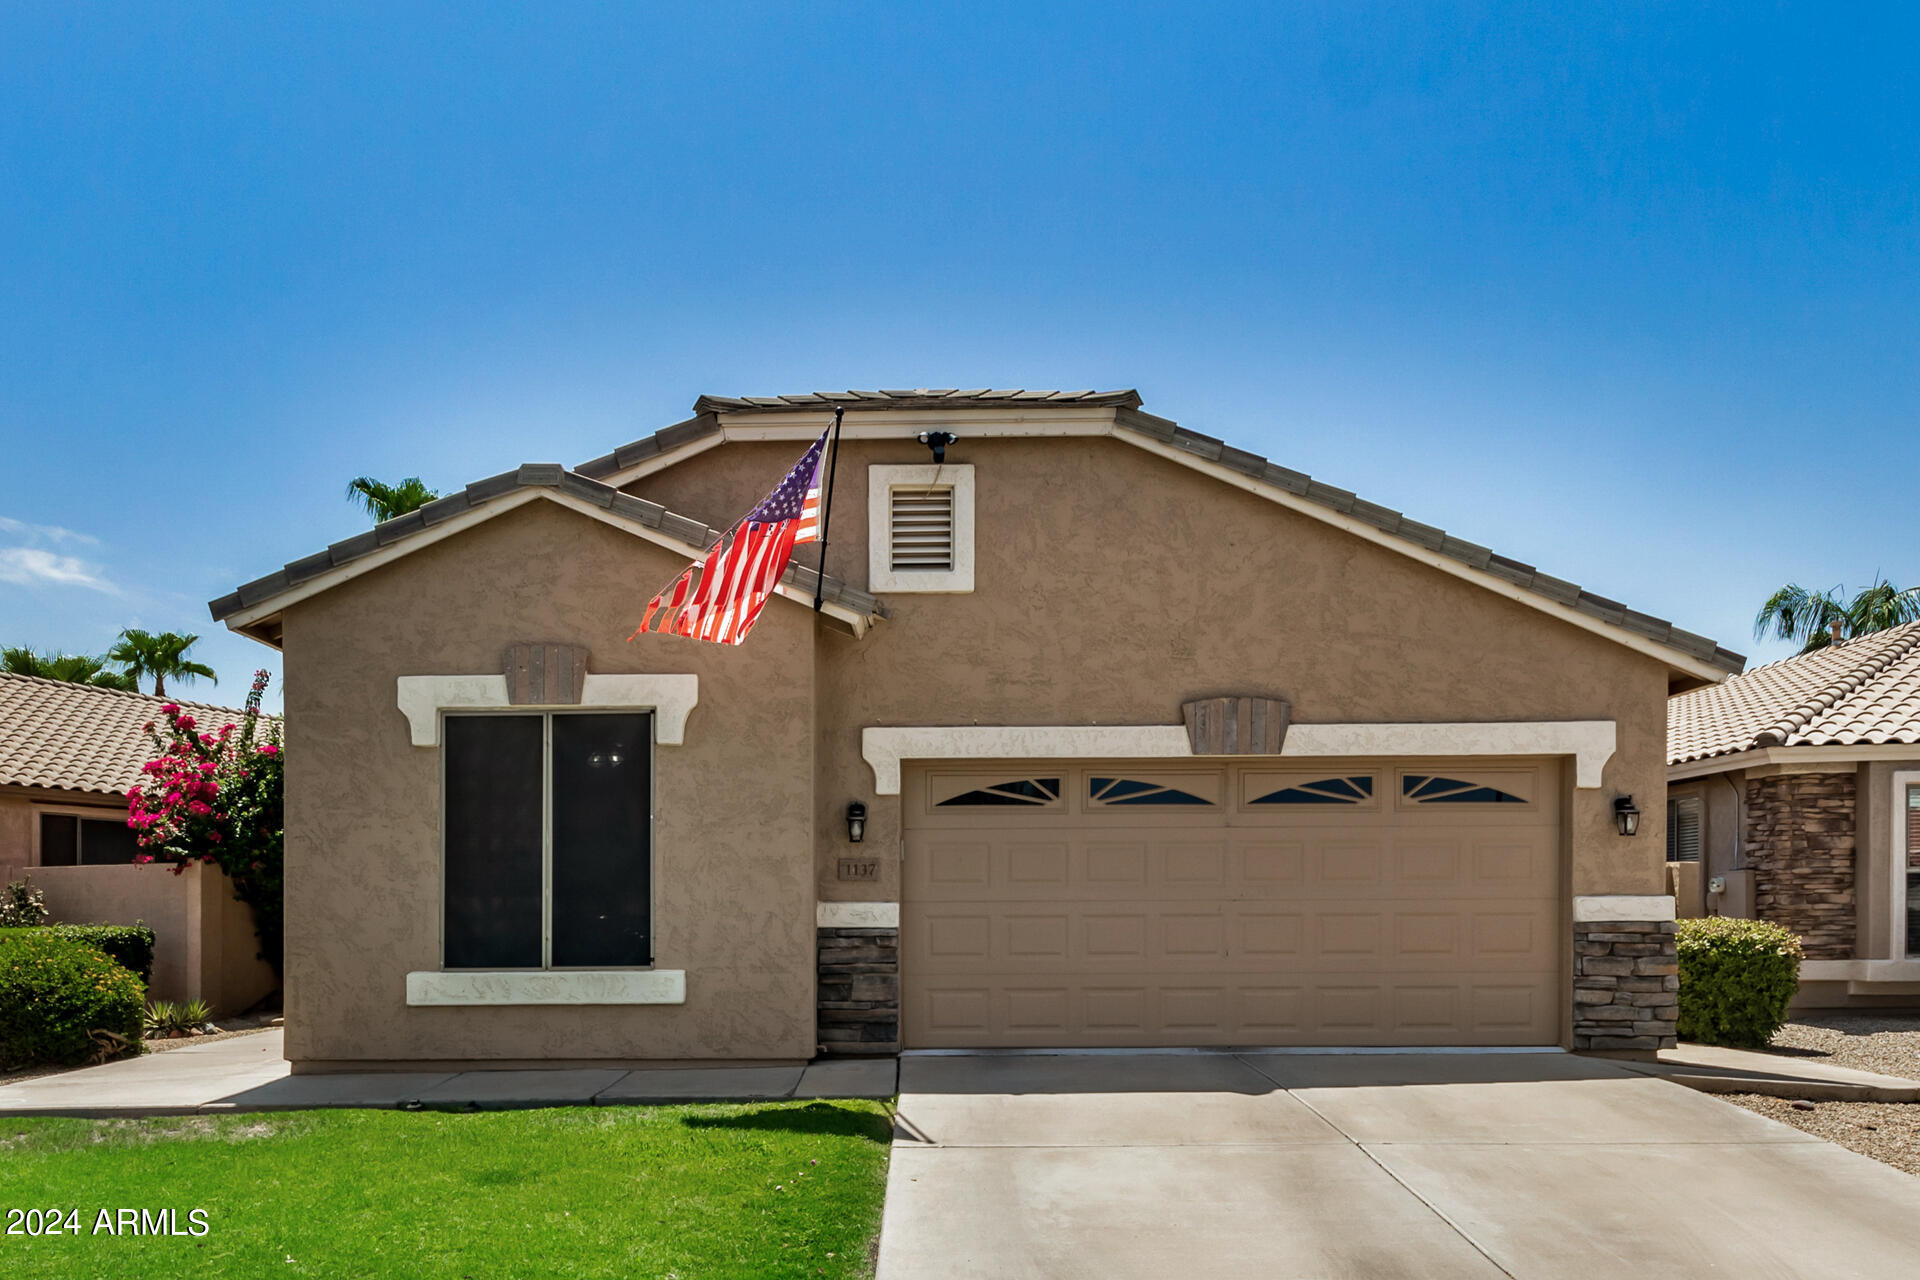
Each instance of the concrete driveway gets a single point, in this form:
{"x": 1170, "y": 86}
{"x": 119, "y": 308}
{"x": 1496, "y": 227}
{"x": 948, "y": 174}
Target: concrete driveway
{"x": 1313, "y": 1165}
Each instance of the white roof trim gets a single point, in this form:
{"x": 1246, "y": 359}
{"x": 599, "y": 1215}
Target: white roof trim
{"x": 1789, "y": 756}
{"x": 746, "y": 425}
{"x": 386, "y": 555}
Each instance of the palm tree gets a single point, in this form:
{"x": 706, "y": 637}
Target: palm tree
{"x": 162, "y": 656}
{"x": 74, "y": 668}
{"x": 1817, "y": 619}
{"x": 385, "y": 501}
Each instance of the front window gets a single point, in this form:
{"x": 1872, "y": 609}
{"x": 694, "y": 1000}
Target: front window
{"x": 1912, "y": 817}
{"x": 548, "y": 834}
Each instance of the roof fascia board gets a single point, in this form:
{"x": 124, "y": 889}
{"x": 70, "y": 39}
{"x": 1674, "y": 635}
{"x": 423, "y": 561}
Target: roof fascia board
{"x": 313, "y": 586}
{"x": 1790, "y": 759}
{"x": 746, "y": 427}
{"x": 1674, "y": 658}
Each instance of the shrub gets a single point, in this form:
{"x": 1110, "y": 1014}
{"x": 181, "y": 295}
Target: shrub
{"x": 129, "y": 945}
{"x": 63, "y": 1001}
{"x": 22, "y": 906}
{"x": 1736, "y": 979}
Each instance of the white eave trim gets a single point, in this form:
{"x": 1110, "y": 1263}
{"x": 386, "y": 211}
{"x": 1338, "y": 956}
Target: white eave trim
{"x": 671, "y": 698}
{"x": 1589, "y": 742}
{"x": 1841, "y": 759}
{"x": 746, "y": 425}
{"x": 481, "y": 514}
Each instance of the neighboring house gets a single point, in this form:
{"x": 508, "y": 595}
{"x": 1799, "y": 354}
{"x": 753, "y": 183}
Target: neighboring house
{"x": 68, "y": 753}
{"x": 1793, "y": 795}
{"x": 1051, "y": 679}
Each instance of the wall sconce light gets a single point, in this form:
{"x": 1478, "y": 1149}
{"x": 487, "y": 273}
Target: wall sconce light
{"x": 1626, "y": 816}
{"x": 856, "y": 822}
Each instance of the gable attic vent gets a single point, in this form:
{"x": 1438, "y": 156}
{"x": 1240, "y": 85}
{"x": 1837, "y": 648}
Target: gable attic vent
{"x": 920, "y": 528}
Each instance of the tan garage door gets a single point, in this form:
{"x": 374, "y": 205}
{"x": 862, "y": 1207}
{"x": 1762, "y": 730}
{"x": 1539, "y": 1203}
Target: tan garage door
{"x": 1055, "y": 904}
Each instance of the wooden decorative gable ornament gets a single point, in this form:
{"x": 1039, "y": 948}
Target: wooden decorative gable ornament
{"x": 1236, "y": 726}
{"x": 545, "y": 675}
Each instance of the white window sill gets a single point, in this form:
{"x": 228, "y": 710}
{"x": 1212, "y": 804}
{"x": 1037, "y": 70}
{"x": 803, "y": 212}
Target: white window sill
{"x": 558, "y": 986}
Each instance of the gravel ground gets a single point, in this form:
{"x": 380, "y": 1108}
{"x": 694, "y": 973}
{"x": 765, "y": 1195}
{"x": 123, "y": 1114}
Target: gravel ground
{"x": 1887, "y": 1131}
{"x": 1887, "y": 1043}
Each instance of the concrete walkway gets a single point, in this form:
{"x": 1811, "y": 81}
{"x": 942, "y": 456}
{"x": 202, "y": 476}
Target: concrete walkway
{"x": 1273, "y": 1164}
{"x": 1713, "y": 1069}
{"x": 249, "y": 1073}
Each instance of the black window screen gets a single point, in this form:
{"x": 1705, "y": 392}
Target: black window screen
{"x": 493, "y": 841}
{"x": 107, "y": 842}
{"x": 59, "y": 840}
{"x": 601, "y": 803}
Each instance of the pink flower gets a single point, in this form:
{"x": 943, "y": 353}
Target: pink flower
{"x": 186, "y": 722}
{"x": 170, "y": 707}
{"x": 269, "y": 750}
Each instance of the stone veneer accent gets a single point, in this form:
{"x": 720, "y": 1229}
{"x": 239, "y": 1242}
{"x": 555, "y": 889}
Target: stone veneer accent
{"x": 1800, "y": 843}
{"x": 859, "y": 999}
{"x": 1626, "y": 984}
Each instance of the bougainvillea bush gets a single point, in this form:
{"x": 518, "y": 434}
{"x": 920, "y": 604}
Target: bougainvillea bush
{"x": 216, "y": 797}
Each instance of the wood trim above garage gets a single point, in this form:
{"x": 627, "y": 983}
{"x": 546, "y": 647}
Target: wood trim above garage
{"x": 1590, "y": 743}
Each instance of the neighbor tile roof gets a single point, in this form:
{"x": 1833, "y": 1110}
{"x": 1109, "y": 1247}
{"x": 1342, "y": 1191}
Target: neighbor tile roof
{"x": 78, "y": 737}
{"x": 1129, "y": 417}
{"x": 530, "y": 475}
{"x": 1859, "y": 691}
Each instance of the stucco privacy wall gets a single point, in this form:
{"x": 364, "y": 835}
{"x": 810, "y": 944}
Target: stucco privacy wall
{"x": 733, "y": 898}
{"x": 1111, "y": 585}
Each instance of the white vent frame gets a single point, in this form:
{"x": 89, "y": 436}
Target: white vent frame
{"x": 882, "y": 480}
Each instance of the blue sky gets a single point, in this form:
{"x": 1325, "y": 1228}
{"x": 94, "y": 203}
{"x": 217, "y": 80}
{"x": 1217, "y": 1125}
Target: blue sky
{"x": 1628, "y": 292}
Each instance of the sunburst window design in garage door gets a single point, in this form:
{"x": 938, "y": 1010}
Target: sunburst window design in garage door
{"x": 1426, "y": 789}
{"x": 1021, "y": 791}
{"x": 1132, "y": 791}
{"x": 1354, "y": 790}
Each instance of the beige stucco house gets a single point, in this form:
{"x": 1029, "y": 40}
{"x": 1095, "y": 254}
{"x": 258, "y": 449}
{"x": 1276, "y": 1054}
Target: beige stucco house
{"x": 68, "y": 753}
{"x": 1794, "y": 796}
{"x": 1147, "y": 741}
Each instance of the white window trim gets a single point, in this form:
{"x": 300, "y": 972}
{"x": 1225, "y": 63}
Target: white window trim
{"x": 1589, "y": 742}
{"x": 1897, "y": 905}
{"x": 881, "y": 576}
{"x": 671, "y": 698}
{"x": 553, "y": 986}
{"x": 97, "y": 813}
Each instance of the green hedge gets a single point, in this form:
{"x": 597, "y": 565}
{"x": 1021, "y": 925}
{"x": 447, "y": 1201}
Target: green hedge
{"x": 130, "y": 945}
{"x": 1736, "y": 979}
{"x": 54, "y": 991}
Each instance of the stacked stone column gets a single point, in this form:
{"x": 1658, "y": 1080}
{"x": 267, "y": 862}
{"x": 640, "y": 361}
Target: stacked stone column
{"x": 1626, "y": 985}
{"x": 859, "y": 995}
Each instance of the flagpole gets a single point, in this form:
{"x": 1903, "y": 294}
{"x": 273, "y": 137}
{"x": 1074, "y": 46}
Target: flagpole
{"x": 826, "y": 513}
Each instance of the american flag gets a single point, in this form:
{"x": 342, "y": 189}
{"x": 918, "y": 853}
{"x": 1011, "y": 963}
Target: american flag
{"x": 743, "y": 568}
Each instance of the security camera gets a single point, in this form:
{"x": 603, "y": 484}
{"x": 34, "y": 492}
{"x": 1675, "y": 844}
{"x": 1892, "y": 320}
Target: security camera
{"x": 938, "y": 442}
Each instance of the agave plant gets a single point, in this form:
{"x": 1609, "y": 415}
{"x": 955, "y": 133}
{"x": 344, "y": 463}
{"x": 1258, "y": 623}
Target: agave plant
{"x": 173, "y": 1018}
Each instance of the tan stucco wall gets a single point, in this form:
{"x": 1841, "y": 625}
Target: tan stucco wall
{"x": 16, "y": 830}
{"x": 733, "y": 892}
{"x": 1111, "y": 585}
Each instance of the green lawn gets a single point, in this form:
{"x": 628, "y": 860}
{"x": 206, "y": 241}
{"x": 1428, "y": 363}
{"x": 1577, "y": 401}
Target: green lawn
{"x": 782, "y": 1189}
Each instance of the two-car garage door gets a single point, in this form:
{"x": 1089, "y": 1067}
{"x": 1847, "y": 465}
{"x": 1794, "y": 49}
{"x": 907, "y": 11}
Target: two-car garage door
{"x": 1057, "y": 904}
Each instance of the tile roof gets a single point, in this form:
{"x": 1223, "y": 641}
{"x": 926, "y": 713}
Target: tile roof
{"x": 1860, "y": 691}
{"x": 1129, "y": 417}
{"x": 78, "y": 737}
{"x": 530, "y": 475}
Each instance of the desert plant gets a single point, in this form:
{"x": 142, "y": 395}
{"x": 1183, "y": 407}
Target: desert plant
{"x": 162, "y": 656}
{"x": 216, "y": 797}
{"x": 64, "y": 1002}
{"x": 128, "y": 945}
{"x": 22, "y": 906}
{"x": 168, "y": 1017}
{"x": 1736, "y": 979}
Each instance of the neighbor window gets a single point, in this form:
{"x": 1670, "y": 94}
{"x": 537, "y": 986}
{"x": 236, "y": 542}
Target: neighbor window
{"x": 70, "y": 840}
{"x": 920, "y": 528}
{"x": 548, "y": 836}
{"x": 1683, "y": 829}
{"x": 1912, "y": 816}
